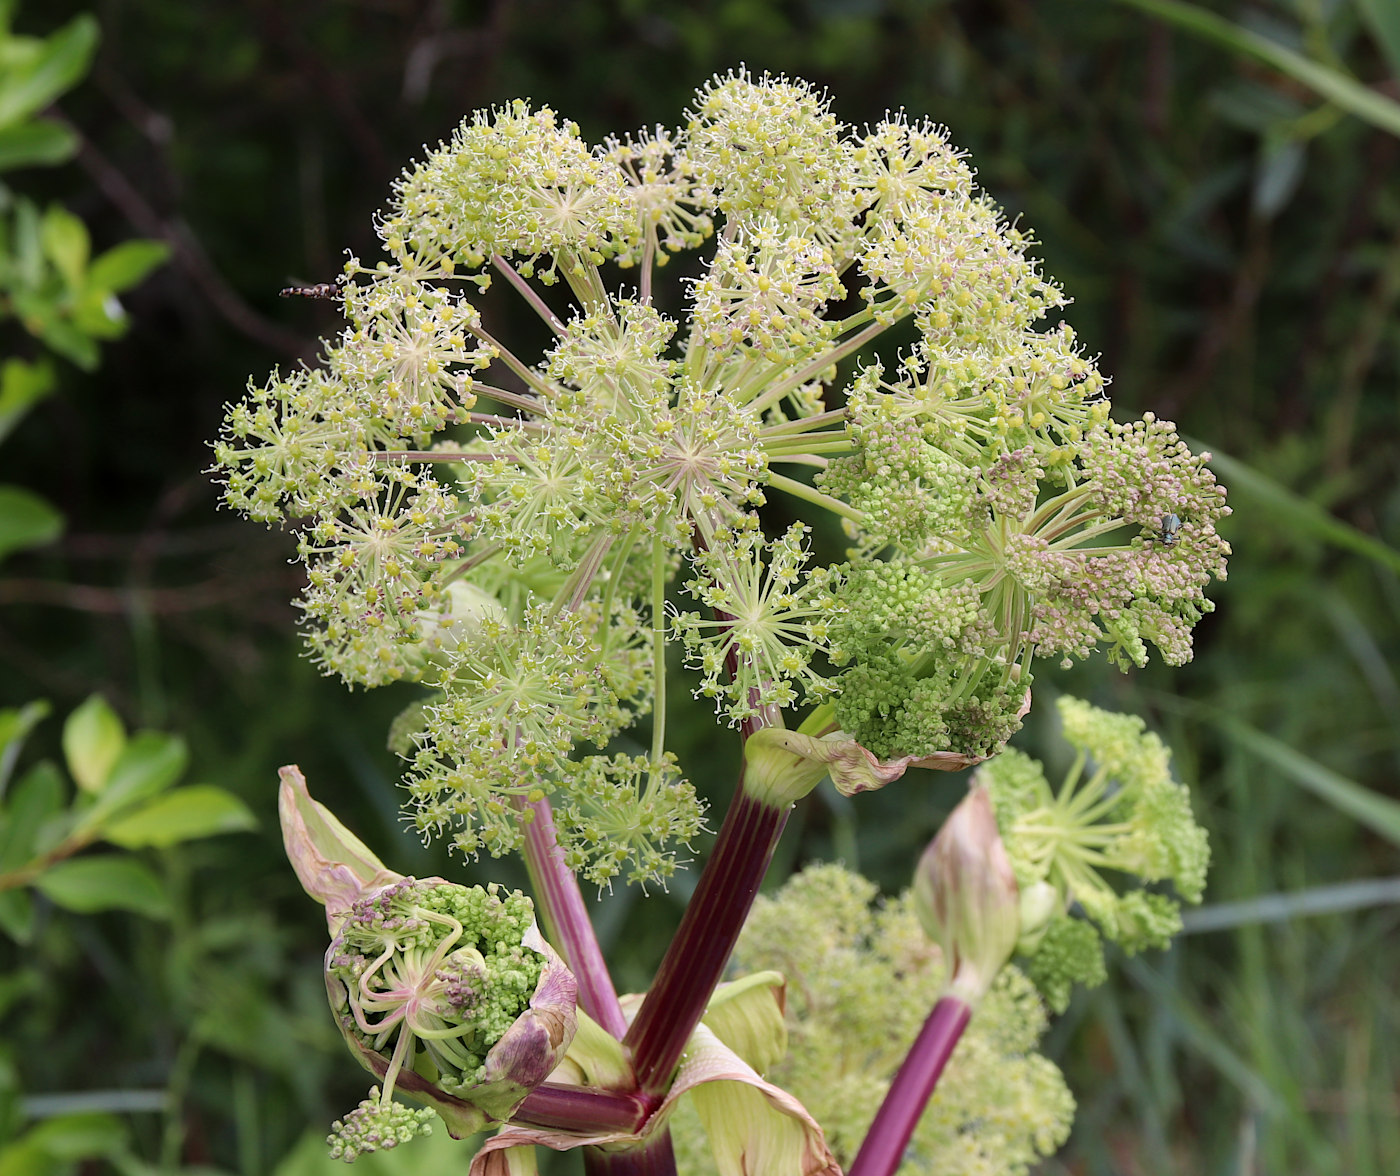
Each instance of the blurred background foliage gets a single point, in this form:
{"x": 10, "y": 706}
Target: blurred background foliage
{"x": 1217, "y": 185}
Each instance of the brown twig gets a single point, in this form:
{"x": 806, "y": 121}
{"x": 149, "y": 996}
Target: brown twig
{"x": 187, "y": 253}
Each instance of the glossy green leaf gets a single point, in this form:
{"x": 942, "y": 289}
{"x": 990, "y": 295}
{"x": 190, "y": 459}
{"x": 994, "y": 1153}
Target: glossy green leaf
{"x": 1337, "y": 87}
{"x": 22, "y": 386}
{"x": 26, "y": 520}
{"x": 201, "y": 810}
{"x": 36, "y": 799}
{"x": 15, "y": 725}
{"x": 17, "y": 915}
{"x": 28, "y": 248}
{"x": 34, "y": 144}
{"x": 105, "y": 882}
{"x": 75, "y": 345}
{"x": 99, "y": 314}
{"x": 66, "y": 244}
{"x": 93, "y": 739}
{"x": 149, "y": 764}
{"x": 124, "y": 265}
{"x": 61, "y": 62}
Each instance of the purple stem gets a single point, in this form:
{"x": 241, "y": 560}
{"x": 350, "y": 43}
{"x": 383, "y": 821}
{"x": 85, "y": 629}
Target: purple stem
{"x": 709, "y": 929}
{"x": 889, "y": 1135}
{"x": 583, "y": 1109}
{"x": 653, "y": 1158}
{"x": 567, "y": 922}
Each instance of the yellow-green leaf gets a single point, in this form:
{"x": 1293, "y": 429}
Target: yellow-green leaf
{"x": 200, "y": 810}
{"x": 35, "y": 143}
{"x": 124, "y": 265}
{"x": 66, "y": 244}
{"x": 62, "y": 60}
{"x": 93, "y": 741}
{"x": 26, "y": 520}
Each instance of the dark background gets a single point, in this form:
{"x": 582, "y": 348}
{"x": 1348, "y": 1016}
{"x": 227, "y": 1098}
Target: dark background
{"x": 1232, "y": 246}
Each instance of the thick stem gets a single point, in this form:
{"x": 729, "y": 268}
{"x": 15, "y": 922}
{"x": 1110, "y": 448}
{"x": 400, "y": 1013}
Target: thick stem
{"x": 894, "y": 1124}
{"x": 709, "y": 929}
{"x": 583, "y": 1109}
{"x": 566, "y": 919}
{"x": 653, "y": 1158}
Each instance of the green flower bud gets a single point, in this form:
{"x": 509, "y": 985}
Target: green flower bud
{"x": 966, "y": 897}
{"x": 1040, "y": 902}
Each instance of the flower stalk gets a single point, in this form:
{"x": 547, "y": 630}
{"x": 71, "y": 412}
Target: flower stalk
{"x": 566, "y": 920}
{"x": 883, "y": 1149}
{"x": 695, "y": 960}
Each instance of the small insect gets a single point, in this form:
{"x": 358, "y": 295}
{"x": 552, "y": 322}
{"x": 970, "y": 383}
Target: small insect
{"x": 1171, "y": 528}
{"x": 324, "y": 290}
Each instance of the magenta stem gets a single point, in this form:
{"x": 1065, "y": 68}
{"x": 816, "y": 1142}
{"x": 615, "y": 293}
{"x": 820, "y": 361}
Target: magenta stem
{"x": 709, "y": 929}
{"x": 654, "y": 1158}
{"x": 583, "y": 1109}
{"x": 566, "y": 920}
{"x": 899, "y": 1114}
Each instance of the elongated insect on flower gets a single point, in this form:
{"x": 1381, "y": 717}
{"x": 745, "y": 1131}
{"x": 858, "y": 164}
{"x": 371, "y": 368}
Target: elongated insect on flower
{"x": 323, "y": 290}
{"x": 1171, "y": 527}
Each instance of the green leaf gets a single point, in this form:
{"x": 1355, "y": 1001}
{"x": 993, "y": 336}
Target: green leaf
{"x": 99, "y": 314}
{"x": 15, "y": 726}
{"x": 26, "y": 520}
{"x": 36, "y": 144}
{"x": 66, "y": 244}
{"x": 438, "y": 1152}
{"x": 69, "y": 1138}
{"x": 22, "y": 386}
{"x": 1280, "y": 171}
{"x": 124, "y": 265}
{"x": 201, "y": 810}
{"x": 28, "y": 249}
{"x": 17, "y": 915}
{"x": 1298, "y": 513}
{"x": 37, "y": 798}
{"x": 1382, "y": 17}
{"x": 74, "y": 345}
{"x": 1337, "y": 87}
{"x": 62, "y": 61}
{"x": 1378, "y": 813}
{"x": 149, "y": 764}
{"x": 105, "y": 882}
{"x": 93, "y": 739}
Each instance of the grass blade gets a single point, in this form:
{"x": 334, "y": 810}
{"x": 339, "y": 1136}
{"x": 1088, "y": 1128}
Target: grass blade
{"x": 1378, "y": 813}
{"x": 1301, "y": 515}
{"x": 1283, "y": 908}
{"x": 1339, "y": 88}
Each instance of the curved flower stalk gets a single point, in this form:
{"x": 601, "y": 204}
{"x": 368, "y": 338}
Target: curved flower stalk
{"x": 448, "y": 993}
{"x": 966, "y": 899}
{"x": 750, "y": 1125}
{"x": 862, "y": 976}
